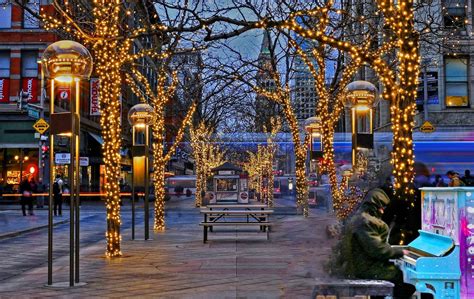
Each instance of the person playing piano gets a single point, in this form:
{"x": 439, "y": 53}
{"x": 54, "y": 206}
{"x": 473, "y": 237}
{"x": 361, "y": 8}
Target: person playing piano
{"x": 364, "y": 252}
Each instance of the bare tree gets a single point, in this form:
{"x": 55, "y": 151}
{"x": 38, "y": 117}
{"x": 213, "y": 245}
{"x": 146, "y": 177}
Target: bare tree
{"x": 395, "y": 21}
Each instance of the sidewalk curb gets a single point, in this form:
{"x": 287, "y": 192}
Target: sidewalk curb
{"x": 21, "y": 232}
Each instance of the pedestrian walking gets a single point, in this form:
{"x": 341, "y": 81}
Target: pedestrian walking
{"x": 26, "y": 197}
{"x": 363, "y": 251}
{"x": 467, "y": 178}
{"x": 2, "y": 188}
{"x": 40, "y": 198}
{"x": 455, "y": 180}
{"x": 34, "y": 190}
{"x": 439, "y": 182}
{"x": 58, "y": 195}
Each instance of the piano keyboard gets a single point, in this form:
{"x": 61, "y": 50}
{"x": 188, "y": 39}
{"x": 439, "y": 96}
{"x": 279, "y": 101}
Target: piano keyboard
{"x": 413, "y": 255}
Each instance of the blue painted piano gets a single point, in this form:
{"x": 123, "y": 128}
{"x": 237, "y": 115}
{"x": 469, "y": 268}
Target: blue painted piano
{"x": 432, "y": 266}
{"x": 449, "y": 211}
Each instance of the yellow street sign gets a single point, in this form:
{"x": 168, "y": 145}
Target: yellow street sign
{"x": 41, "y": 126}
{"x": 427, "y": 127}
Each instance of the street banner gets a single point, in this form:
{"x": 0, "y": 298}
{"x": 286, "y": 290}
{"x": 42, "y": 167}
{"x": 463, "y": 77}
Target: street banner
{"x": 30, "y": 87}
{"x": 4, "y": 90}
{"x": 94, "y": 90}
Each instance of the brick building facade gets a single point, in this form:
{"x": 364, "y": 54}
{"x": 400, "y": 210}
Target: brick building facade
{"x": 22, "y": 42}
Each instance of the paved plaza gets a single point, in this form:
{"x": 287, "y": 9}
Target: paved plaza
{"x": 176, "y": 263}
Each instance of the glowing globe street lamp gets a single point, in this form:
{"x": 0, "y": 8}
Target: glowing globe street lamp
{"x": 67, "y": 62}
{"x": 140, "y": 117}
{"x": 360, "y": 99}
{"x": 313, "y": 128}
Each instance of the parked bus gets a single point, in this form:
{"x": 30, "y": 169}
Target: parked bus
{"x": 179, "y": 185}
{"x": 284, "y": 185}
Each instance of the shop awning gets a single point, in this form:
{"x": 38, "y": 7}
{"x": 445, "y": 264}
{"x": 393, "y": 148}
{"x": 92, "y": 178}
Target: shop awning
{"x": 19, "y": 145}
{"x": 97, "y": 138}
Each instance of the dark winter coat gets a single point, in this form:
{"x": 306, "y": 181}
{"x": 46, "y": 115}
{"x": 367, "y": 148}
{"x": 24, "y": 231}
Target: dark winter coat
{"x": 364, "y": 251}
{"x": 25, "y": 186}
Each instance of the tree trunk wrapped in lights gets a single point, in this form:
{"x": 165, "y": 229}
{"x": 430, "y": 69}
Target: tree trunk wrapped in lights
{"x": 206, "y": 155}
{"x": 159, "y": 163}
{"x": 269, "y": 156}
{"x": 109, "y": 90}
{"x": 252, "y": 166}
{"x": 260, "y": 167}
{"x": 159, "y": 99}
{"x": 198, "y": 136}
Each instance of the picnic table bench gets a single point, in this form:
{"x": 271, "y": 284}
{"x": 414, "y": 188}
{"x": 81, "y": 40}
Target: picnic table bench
{"x": 352, "y": 288}
{"x": 235, "y": 215}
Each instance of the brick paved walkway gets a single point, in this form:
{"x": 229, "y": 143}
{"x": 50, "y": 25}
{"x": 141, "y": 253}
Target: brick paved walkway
{"x": 176, "y": 264}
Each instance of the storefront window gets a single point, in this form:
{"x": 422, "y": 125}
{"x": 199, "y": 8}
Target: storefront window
{"x": 5, "y": 14}
{"x": 456, "y": 82}
{"x": 16, "y": 165}
{"x": 29, "y": 21}
{"x": 4, "y": 76}
{"x": 29, "y": 73}
{"x": 454, "y": 14}
{"x": 4, "y": 64}
{"x": 29, "y": 64}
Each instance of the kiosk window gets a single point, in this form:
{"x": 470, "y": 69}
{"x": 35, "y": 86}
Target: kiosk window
{"x": 226, "y": 184}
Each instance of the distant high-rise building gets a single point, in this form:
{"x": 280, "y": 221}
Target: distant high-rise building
{"x": 190, "y": 88}
{"x": 304, "y": 95}
{"x": 265, "y": 108}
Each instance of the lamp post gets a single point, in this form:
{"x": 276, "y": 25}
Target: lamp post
{"x": 140, "y": 118}
{"x": 360, "y": 99}
{"x": 67, "y": 62}
{"x": 41, "y": 163}
{"x": 21, "y": 159}
{"x": 313, "y": 128}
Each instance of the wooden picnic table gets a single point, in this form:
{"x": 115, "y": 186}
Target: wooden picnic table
{"x": 237, "y": 206}
{"x": 220, "y": 217}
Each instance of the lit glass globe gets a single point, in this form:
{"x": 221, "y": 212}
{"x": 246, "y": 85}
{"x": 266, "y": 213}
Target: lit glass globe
{"x": 360, "y": 94}
{"x": 313, "y": 124}
{"x": 67, "y": 59}
{"x": 141, "y": 115}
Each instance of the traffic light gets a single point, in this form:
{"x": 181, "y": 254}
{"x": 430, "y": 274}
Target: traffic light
{"x": 22, "y": 99}
{"x": 44, "y": 154}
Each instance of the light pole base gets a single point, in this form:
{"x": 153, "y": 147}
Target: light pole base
{"x": 65, "y": 284}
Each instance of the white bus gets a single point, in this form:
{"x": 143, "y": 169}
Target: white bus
{"x": 181, "y": 185}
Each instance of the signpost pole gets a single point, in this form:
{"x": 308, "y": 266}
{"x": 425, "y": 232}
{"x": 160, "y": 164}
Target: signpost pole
{"x": 41, "y": 116}
{"x": 50, "y": 203}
